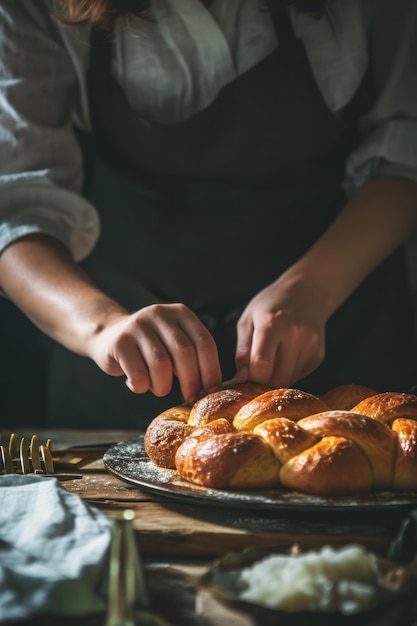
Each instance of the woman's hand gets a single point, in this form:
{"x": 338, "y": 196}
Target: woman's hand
{"x": 152, "y": 345}
{"x": 148, "y": 346}
{"x": 281, "y": 333}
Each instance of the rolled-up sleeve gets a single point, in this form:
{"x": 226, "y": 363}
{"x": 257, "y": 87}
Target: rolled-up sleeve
{"x": 388, "y": 145}
{"x": 41, "y": 170}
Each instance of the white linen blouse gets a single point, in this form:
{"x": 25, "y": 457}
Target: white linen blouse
{"x": 170, "y": 66}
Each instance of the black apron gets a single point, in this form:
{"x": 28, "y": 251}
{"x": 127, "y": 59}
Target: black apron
{"x": 211, "y": 210}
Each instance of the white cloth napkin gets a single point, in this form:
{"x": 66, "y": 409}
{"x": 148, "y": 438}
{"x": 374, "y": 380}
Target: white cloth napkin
{"x": 53, "y": 549}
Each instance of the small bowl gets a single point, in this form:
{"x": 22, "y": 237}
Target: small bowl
{"x": 396, "y": 586}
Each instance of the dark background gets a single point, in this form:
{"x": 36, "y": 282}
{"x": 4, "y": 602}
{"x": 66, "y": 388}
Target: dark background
{"x": 23, "y": 367}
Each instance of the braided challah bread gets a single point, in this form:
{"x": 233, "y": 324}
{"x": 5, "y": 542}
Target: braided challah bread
{"x": 248, "y": 436}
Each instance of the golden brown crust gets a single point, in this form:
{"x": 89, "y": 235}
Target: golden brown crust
{"x": 405, "y": 473}
{"x": 220, "y": 404}
{"x": 388, "y": 406}
{"x": 219, "y": 426}
{"x": 252, "y": 389}
{"x": 224, "y": 403}
{"x": 243, "y": 437}
{"x": 376, "y": 440}
{"x": 290, "y": 403}
{"x": 232, "y": 460}
{"x": 285, "y": 437}
{"x": 333, "y": 466}
{"x": 180, "y": 413}
{"x": 162, "y": 438}
{"x": 344, "y": 397}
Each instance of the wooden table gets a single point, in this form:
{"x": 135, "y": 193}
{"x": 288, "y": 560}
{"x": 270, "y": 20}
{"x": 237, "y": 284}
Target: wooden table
{"x": 179, "y": 541}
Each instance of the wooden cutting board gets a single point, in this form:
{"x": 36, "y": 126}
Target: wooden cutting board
{"x": 177, "y": 529}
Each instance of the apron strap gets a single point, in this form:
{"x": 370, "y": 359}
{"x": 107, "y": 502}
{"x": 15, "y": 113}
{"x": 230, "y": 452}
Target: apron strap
{"x": 283, "y": 28}
{"x": 101, "y": 49}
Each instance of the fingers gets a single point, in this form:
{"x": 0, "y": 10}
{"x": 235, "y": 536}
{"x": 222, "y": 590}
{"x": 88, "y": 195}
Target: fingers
{"x": 243, "y": 350}
{"x": 292, "y": 366}
{"x": 160, "y": 341}
{"x": 185, "y": 345}
{"x": 199, "y": 355}
{"x": 277, "y": 353}
{"x": 135, "y": 360}
{"x": 273, "y": 356}
{"x": 260, "y": 351}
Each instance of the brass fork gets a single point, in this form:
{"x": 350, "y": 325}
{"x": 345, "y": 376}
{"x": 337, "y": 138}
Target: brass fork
{"x": 18, "y": 457}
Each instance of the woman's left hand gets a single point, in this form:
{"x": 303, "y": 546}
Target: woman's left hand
{"x": 281, "y": 333}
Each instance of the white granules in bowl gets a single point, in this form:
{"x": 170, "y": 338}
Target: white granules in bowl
{"x": 325, "y": 580}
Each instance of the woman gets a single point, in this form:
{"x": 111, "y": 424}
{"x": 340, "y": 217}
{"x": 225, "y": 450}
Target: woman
{"x": 235, "y": 183}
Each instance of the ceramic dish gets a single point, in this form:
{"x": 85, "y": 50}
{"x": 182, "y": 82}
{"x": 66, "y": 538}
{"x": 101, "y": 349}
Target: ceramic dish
{"x": 393, "y": 606}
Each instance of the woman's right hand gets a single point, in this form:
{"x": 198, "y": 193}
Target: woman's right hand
{"x": 149, "y": 346}
{"x": 152, "y": 345}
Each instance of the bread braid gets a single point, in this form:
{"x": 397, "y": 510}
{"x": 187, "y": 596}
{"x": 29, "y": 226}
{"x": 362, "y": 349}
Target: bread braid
{"x": 247, "y": 436}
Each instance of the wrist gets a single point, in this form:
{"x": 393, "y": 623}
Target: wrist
{"x": 317, "y": 284}
{"x": 88, "y": 321}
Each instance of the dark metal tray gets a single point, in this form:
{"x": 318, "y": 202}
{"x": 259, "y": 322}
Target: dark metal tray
{"x": 128, "y": 461}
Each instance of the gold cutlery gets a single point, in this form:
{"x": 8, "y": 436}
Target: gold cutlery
{"x": 18, "y": 457}
{"x": 128, "y": 599}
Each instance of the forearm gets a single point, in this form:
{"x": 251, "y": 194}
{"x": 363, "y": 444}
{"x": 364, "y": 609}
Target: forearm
{"x": 373, "y": 224}
{"x": 38, "y": 274}
{"x": 148, "y": 346}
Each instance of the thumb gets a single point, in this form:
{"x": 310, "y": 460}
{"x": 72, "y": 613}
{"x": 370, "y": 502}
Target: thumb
{"x": 243, "y": 352}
